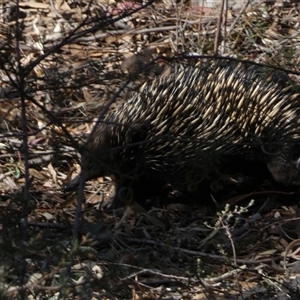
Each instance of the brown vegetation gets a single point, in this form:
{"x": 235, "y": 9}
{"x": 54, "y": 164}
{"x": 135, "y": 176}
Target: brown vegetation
{"x": 62, "y": 63}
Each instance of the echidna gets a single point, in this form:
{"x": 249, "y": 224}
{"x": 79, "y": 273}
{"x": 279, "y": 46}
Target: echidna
{"x": 184, "y": 128}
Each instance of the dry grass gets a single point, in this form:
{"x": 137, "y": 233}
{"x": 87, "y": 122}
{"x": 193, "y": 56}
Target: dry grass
{"x": 61, "y": 64}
